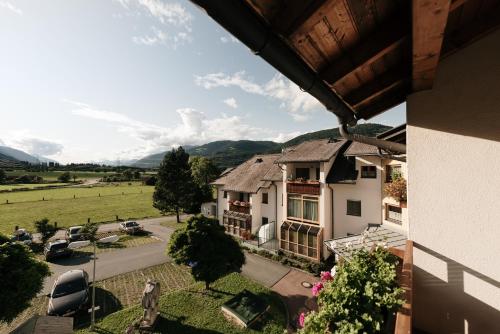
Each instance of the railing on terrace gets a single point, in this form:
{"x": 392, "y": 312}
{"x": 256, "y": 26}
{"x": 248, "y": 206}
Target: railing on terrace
{"x": 239, "y": 208}
{"x": 303, "y": 187}
{"x": 403, "y": 317}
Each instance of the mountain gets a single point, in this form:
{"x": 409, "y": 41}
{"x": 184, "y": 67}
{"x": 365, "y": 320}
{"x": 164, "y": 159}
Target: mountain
{"x": 9, "y": 162}
{"x": 22, "y": 156}
{"x": 367, "y": 129}
{"x": 228, "y": 153}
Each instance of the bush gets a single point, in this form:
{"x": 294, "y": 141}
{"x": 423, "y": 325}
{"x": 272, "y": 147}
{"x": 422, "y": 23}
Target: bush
{"x": 397, "y": 189}
{"x": 361, "y": 297}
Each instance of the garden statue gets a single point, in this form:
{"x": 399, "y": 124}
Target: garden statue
{"x": 150, "y": 301}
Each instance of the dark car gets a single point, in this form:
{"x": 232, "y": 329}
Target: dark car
{"x": 57, "y": 248}
{"x": 70, "y": 293}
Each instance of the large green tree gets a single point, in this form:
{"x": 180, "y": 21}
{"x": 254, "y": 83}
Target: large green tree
{"x": 204, "y": 171}
{"x": 205, "y": 247}
{"x": 175, "y": 189}
{"x": 3, "y": 176}
{"x": 21, "y": 278}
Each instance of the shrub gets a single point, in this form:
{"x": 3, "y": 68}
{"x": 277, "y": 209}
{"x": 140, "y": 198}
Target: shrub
{"x": 361, "y": 297}
{"x": 397, "y": 189}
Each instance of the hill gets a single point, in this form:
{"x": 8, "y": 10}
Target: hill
{"x": 368, "y": 129}
{"x": 9, "y": 162}
{"x": 13, "y": 154}
{"x": 228, "y": 153}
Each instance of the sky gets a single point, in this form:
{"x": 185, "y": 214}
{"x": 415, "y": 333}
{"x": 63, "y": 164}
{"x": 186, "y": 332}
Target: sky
{"x": 110, "y": 80}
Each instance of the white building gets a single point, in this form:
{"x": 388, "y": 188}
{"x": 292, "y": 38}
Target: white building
{"x": 250, "y": 196}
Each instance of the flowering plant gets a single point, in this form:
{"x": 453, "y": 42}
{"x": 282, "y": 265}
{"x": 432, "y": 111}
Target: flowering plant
{"x": 360, "y": 297}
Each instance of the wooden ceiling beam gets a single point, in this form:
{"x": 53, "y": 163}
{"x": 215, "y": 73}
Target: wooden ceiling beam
{"x": 429, "y": 22}
{"x": 397, "y": 97}
{"x": 378, "y": 84}
{"x": 385, "y": 40}
{"x": 379, "y": 94}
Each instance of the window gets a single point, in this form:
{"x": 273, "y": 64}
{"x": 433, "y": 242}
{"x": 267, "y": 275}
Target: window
{"x": 368, "y": 172}
{"x": 301, "y": 239}
{"x": 353, "y": 208}
{"x": 303, "y": 208}
{"x": 391, "y": 172}
{"x": 393, "y": 213}
{"x": 264, "y": 198}
{"x": 242, "y": 198}
{"x": 225, "y": 194}
{"x": 317, "y": 174}
{"x": 265, "y": 220}
{"x": 302, "y": 173}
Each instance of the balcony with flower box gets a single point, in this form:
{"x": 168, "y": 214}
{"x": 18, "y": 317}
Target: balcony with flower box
{"x": 239, "y": 206}
{"x": 305, "y": 187}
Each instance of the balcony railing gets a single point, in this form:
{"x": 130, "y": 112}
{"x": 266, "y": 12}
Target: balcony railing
{"x": 303, "y": 187}
{"x": 242, "y": 207}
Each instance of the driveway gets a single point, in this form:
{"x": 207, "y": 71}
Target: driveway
{"x": 120, "y": 261}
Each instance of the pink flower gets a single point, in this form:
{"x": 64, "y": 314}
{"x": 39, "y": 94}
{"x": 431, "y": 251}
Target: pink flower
{"x": 302, "y": 318}
{"x": 317, "y": 288}
{"x": 326, "y": 276}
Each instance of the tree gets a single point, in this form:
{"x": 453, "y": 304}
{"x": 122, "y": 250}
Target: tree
{"x": 64, "y": 177}
{"x": 204, "y": 170}
{"x": 3, "y": 176}
{"x": 205, "y": 246}
{"x": 74, "y": 177}
{"x": 151, "y": 180}
{"x": 89, "y": 231}
{"x": 137, "y": 175}
{"x": 45, "y": 229}
{"x": 21, "y": 278}
{"x": 175, "y": 189}
{"x": 127, "y": 174}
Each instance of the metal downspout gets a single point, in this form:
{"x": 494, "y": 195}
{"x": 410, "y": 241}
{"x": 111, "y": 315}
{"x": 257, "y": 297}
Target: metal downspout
{"x": 332, "y": 211}
{"x": 383, "y": 144}
{"x": 275, "y": 209}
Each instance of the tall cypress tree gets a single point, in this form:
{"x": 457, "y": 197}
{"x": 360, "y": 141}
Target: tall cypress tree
{"x": 175, "y": 188}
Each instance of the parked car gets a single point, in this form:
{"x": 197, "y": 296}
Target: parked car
{"x": 69, "y": 294}
{"x": 130, "y": 227}
{"x": 23, "y": 236}
{"x": 56, "y": 248}
{"x": 74, "y": 233}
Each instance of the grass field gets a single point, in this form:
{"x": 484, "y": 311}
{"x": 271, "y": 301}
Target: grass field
{"x": 193, "y": 310}
{"x": 53, "y": 175}
{"x": 60, "y": 206}
{"x": 31, "y": 186}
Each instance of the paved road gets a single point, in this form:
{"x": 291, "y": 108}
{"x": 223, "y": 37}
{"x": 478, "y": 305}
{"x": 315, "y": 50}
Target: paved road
{"x": 117, "y": 262}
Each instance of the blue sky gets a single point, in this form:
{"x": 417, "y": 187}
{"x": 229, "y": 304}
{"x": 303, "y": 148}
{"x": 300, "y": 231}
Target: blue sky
{"x": 94, "y": 80}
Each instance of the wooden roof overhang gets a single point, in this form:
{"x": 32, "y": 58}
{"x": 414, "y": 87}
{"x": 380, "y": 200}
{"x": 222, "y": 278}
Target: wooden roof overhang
{"x": 370, "y": 53}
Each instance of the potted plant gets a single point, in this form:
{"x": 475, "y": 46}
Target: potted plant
{"x": 397, "y": 190}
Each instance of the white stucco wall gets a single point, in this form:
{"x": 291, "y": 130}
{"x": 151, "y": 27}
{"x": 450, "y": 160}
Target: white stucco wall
{"x": 368, "y": 191}
{"x": 221, "y": 204}
{"x": 453, "y": 139}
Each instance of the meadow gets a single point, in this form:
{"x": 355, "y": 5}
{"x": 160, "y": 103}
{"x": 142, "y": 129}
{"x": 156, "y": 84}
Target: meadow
{"x": 53, "y": 175}
{"x": 30, "y": 186}
{"x": 73, "y": 206}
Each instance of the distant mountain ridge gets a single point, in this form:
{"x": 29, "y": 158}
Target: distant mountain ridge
{"x": 229, "y": 153}
{"x": 12, "y": 154}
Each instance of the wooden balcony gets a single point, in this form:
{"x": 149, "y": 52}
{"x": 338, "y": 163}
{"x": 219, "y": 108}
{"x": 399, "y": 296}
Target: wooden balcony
{"x": 303, "y": 187}
{"x": 239, "y": 208}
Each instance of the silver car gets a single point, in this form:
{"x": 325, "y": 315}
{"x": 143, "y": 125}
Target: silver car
{"x": 70, "y": 293}
{"x": 130, "y": 227}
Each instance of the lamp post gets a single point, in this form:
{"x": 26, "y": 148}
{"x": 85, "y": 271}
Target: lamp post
{"x": 92, "y": 316}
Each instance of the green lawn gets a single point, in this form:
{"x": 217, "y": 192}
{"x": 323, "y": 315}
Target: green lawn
{"x": 174, "y": 224}
{"x": 60, "y": 206}
{"x": 30, "y": 186}
{"x": 53, "y": 175}
{"x": 194, "y": 311}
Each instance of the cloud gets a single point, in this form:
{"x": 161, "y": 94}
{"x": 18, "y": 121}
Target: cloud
{"x": 193, "y": 128}
{"x": 227, "y": 39}
{"x": 158, "y": 37}
{"x": 231, "y": 102}
{"x": 11, "y": 7}
{"x": 25, "y": 141}
{"x": 172, "y": 16}
{"x": 298, "y": 103}
{"x": 284, "y": 137}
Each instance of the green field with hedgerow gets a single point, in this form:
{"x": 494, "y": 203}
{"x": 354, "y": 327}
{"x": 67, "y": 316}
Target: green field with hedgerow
{"x": 53, "y": 175}
{"x": 73, "y": 206}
